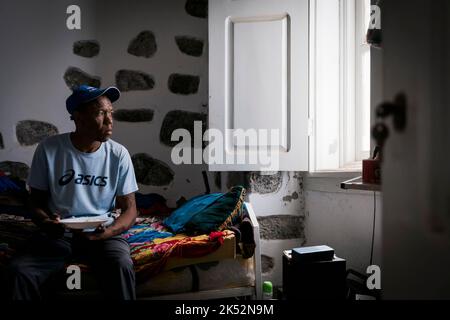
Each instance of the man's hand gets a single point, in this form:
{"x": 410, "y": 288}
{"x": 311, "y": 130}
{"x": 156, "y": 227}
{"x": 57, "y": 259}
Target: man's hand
{"x": 52, "y": 227}
{"x": 127, "y": 205}
{"x": 101, "y": 233}
{"x": 41, "y": 215}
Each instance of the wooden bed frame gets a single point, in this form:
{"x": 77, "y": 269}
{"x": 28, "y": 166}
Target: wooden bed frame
{"x": 254, "y": 292}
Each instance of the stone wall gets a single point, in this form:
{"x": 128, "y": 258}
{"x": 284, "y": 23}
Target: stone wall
{"x": 279, "y": 202}
{"x": 156, "y": 53}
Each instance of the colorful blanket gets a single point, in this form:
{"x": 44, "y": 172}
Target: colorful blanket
{"x": 152, "y": 245}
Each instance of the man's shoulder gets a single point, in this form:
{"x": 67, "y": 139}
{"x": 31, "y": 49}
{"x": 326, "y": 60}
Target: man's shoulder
{"x": 116, "y": 148}
{"x": 54, "y": 140}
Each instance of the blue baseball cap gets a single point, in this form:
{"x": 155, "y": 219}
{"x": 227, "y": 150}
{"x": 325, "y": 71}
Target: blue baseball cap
{"x": 84, "y": 94}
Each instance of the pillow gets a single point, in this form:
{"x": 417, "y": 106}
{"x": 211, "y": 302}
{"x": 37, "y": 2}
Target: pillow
{"x": 206, "y": 213}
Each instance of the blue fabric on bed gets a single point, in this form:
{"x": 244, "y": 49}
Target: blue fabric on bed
{"x": 148, "y": 236}
{"x": 6, "y": 184}
{"x": 206, "y": 213}
{"x": 178, "y": 219}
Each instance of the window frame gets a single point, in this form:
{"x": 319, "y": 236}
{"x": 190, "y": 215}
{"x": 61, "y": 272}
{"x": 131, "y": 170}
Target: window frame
{"x": 352, "y": 72}
{"x": 363, "y": 75}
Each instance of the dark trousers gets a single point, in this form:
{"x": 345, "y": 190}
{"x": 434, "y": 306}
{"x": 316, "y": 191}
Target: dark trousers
{"x": 45, "y": 257}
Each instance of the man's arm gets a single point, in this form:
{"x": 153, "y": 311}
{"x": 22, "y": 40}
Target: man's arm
{"x": 42, "y": 216}
{"x": 126, "y": 220}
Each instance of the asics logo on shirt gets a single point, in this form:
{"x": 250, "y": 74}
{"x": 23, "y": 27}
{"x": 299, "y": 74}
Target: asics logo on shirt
{"x": 82, "y": 179}
{"x": 65, "y": 179}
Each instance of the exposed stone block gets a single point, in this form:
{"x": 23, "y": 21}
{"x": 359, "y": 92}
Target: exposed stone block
{"x": 183, "y": 83}
{"x": 86, "y": 48}
{"x": 75, "y": 77}
{"x": 30, "y": 132}
{"x": 128, "y": 80}
{"x": 179, "y": 119}
{"x": 267, "y": 264}
{"x": 189, "y": 45}
{"x": 265, "y": 183}
{"x": 144, "y": 45}
{"x": 197, "y": 8}
{"x": 135, "y": 115}
{"x": 281, "y": 227}
{"x": 150, "y": 171}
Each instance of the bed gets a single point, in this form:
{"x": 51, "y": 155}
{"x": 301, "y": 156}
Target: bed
{"x": 218, "y": 272}
{"x": 222, "y": 274}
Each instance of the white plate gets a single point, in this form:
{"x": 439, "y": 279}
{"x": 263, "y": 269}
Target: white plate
{"x": 84, "y": 222}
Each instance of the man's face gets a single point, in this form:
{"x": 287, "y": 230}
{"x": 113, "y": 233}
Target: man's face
{"x": 96, "y": 120}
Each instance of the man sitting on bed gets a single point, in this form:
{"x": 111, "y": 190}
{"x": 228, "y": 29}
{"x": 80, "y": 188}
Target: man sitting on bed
{"x": 82, "y": 173}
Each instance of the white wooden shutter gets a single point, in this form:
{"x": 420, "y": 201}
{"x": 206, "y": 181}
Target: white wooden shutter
{"x": 258, "y": 79}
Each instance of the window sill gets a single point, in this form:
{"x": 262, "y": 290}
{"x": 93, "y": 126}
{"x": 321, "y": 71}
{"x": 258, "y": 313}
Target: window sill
{"x": 357, "y": 184}
{"x": 349, "y": 171}
{"x": 334, "y": 174}
{"x": 332, "y": 183}
{"x": 330, "y": 180}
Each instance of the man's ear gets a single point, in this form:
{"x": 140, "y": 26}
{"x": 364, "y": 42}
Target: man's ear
{"x": 75, "y": 116}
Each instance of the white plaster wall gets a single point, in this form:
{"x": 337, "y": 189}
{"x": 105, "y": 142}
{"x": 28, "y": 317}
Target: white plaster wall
{"x": 36, "y": 51}
{"x": 343, "y": 220}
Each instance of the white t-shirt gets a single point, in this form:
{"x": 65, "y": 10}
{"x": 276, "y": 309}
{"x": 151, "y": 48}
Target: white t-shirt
{"x": 81, "y": 183}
